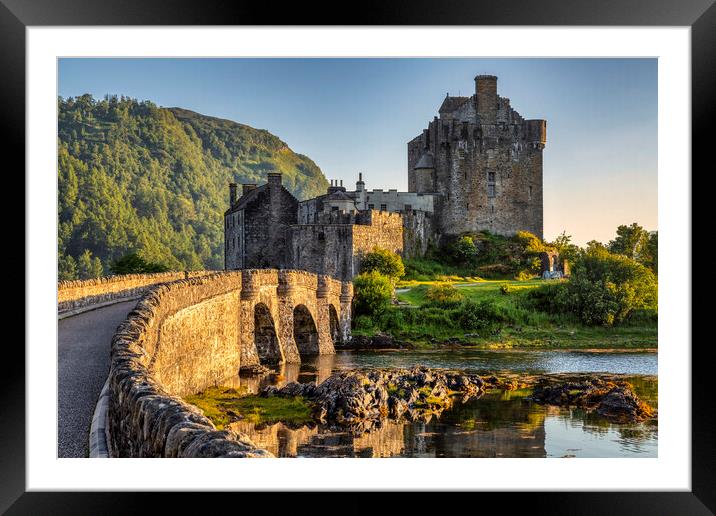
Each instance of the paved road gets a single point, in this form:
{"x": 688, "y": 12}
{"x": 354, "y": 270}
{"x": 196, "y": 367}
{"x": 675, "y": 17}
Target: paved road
{"x": 83, "y": 363}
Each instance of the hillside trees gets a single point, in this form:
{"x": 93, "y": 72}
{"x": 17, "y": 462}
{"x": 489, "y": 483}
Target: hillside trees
{"x": 137, "y": 178}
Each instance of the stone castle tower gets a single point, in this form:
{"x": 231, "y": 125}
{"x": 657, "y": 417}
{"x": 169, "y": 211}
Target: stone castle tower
{"x": 485, "y": 163}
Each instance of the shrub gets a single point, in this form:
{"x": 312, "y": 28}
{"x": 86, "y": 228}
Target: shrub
{"x": 505, "y": 289}
{"x": 481, "y": 315}
{"x": 135, "y": 264}
{"x": 443, "y": 294}
{"x": 385, "y": 262}
{"x": 463, "y": 251}
{"x": 372, "y": 292}
{"x": 548, "y": 298}
{"x": 605, "y": 289}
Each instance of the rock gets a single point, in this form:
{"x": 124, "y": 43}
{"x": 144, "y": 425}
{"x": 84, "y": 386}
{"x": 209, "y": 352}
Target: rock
{"x": 613, "y": 400}
{"x": 360, "y": 399}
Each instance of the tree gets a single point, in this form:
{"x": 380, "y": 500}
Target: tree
{"x": 89, "y": 267}
{"x": 606, "y": 288}
{"x": 564, "y": 246}
{"x": 66, "y": 268}
{"x": 372, "y": 292}
{"x": 385, "y": 262}
{"x": 135, "y": 264}
{"x": 630, "y": 241}
{"x": 651, "y": 252}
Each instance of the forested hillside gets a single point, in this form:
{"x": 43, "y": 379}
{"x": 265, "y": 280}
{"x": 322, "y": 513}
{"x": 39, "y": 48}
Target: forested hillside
{"x": 135, "y": 177}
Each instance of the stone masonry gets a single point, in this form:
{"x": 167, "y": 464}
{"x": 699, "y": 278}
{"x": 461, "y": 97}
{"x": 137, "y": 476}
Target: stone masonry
{"x": 190, "y": 334}
{"x": 477, "y": 167}
{"x": 484, "y": 161}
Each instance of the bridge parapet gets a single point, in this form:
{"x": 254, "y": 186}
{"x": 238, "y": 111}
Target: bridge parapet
{"x": 186, "y": 335}
{"x": 78, "y": 294}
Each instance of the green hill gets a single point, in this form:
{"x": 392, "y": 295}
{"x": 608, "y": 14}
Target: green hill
{"x": 135, "y": 177}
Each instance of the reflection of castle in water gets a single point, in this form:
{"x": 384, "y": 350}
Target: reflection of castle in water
{"x": 515, "y": 429}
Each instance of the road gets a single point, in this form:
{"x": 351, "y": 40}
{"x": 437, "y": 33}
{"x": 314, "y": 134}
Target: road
{"x": 83, "y": 361}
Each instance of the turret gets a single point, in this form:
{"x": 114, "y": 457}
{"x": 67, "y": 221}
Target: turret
{"x": 486, "y": 95}
{"x": 425, "y": 173}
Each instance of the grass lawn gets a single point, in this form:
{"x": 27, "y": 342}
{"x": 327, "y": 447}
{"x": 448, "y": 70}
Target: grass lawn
{"x": 531, "y": 328}
{"x": 225, "y": 404}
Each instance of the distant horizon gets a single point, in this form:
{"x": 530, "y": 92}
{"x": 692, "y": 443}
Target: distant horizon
{"x": 357, "y": 115}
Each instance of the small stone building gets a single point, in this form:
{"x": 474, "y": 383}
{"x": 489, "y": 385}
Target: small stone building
{"x": 257, "y": 226}
{"x": 268, "y": 228}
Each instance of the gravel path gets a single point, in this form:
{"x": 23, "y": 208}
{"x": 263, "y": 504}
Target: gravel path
{"x": 83, "y": 362}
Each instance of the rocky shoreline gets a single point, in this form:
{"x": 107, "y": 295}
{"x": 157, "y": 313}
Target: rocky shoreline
{"x": 359, "y": 400}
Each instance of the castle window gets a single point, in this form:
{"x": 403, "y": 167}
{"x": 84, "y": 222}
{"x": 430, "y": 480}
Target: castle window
{"x": 530, "y": 193}
{"x": 408, "y": 207}
{"x": 383, "y": 207}
{"x": 491, "y": 177}
{"x": 371, "y": 206}
{"x": 490, "y": 190}
{"x": 334, "y": 208}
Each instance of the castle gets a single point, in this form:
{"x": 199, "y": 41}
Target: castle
{"x": 478, "y": 166}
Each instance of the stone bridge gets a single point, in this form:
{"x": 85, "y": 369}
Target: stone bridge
{"x": 185, "y": 335}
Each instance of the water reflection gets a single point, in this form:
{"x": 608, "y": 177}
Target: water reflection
{"x": 493, "y": 426}
{"x": 500, "y": 424}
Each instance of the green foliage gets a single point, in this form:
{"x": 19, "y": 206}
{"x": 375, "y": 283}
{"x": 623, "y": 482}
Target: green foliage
{"x": 443, "y": 294}
{"x": 137, "y": 178}
{"x": 463, "y": 251}
{"x": 505, "y": 289}
{"x": 385, "y": 262}
{"x": 89, "y": 267}
{"x": 604, "y": 289}
{"x": 631, "y": 241}
{"x": 222, "y": 405}
{"x": 372, "y": 293}
{"x": 66, "y": 268}
{"x": 135, "y": 264}
{"x": 482, "y": 315}
{"x": 483, "y": 255}
{"x": 564, "y": 246}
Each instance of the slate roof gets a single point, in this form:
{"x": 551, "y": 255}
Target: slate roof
{"x": 452, "y": 103}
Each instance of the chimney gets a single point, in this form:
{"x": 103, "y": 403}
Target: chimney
{"x": 247, "y": 187}
{"x": 486, "y": 95}
{"x": 274, "y": 178}
{"x": 232, "y": 194}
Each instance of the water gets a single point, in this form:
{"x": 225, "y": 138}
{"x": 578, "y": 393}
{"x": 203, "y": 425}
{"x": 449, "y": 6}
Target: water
{"x": 500, "y": 424}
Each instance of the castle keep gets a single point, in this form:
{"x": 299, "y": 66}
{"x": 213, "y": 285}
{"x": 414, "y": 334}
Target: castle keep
{"x": 485, "y": 162}
{"x": 477, "y": 167}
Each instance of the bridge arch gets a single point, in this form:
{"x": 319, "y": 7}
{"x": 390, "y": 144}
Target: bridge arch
{"x": 305, "y": 332}
{"x": 265, "y": 336}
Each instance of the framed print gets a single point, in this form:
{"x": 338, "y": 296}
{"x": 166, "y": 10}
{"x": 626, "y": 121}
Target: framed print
{"x": 419, "y": 252}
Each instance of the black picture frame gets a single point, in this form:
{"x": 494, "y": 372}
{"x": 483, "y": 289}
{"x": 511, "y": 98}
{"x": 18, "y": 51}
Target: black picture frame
{"x": 700, "y": 15}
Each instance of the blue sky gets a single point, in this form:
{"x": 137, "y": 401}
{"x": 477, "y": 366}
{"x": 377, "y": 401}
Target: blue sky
{"x": 357, "y": 115}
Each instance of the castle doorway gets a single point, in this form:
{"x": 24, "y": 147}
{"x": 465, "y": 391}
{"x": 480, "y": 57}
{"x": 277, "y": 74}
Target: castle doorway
{"x": 304, "y": 331}
{"x": 265, "y": 336}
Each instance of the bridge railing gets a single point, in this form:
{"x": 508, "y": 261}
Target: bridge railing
{"x": 176, "y": 339}
{"x": 78, "y": 294}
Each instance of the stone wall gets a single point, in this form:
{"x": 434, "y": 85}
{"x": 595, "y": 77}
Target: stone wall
{"x": 383, "y": 230}
{"x": 488, "y": 164}
{"x": 193, "y": 333}
{"x": 418, "y": 233}
{"x": 257, "y": 227}
{"x": 75, "y": 294}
